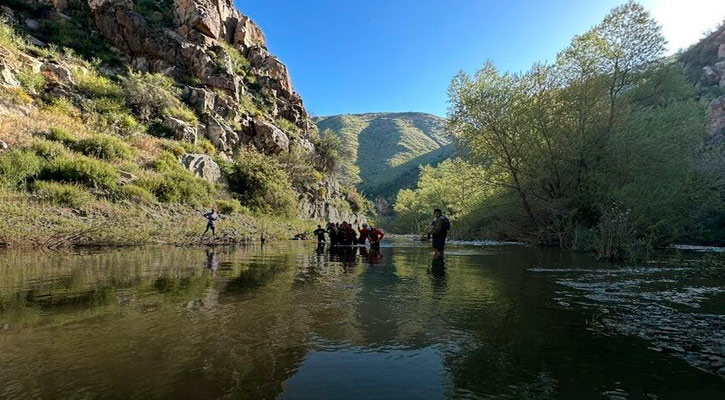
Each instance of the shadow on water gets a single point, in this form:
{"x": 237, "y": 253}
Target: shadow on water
{"x": 296, "y": 320}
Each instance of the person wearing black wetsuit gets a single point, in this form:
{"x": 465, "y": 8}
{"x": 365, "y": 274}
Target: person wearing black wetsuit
{"x": 320, "y": 233}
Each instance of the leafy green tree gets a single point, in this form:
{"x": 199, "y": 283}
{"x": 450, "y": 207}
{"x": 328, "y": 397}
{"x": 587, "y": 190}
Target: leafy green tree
{"x": 602, "y": 151}
{"x": 454, "y": 186}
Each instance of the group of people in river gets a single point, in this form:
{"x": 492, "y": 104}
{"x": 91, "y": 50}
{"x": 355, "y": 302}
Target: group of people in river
{"x": 344, "y": 234}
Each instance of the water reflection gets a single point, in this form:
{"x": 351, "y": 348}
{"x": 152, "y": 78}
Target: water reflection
{"x": 295, "y": 320}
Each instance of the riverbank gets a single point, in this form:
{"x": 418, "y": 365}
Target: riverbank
{"x": 34, "y": 223}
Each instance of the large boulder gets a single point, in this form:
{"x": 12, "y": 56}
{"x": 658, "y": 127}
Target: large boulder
{"x": 61, "y": 72}
{"x": 202, "y": 166}
{"x": 182, "y": 130}
{"x": 7, "y": 78}
{"x": 221, "y": 135}
{"x": 266, "y": 137}
{"x": 248, "y": 34}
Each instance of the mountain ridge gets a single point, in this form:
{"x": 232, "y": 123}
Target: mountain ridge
{"x": 388, "y": 148}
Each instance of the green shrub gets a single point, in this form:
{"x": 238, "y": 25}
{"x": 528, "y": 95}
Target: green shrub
{"x": 61, "y": 135}
{"x": 80, "y": 169}
{"x": 67, "y": 34}
{"x": 298, "y": 164}
{"x": 94, "y": 85}
{"x": 178, "y": 149}
{"x": 104, "y": 147}
{"x": 17, "y": 166}
{"x": 182, "y": 112}
{"x": 63, "y": 194}
{"x": 15, "y": 95}
{"x": 249, "y": 107}
{"x": 356, "y": 201}
{"x": 231, "y": 207}
{"x": 240, "y": 64}
{"x": 154, "y": 96}
{"x": 261, "y": 183}
{"x": 287, "y": 126}
{"x": 136, "y": 194}
{"x": 158, "y": 13}
{"x": 63, "y": 106}
{"x": 48, "y": 149}
{"x": 328, "y": 152}
{"x": 31, "y": 81}
{"x": 180, "y": 187}
{"x": 111, "y": 114}
{"x": 207, "y": 147}
{"x": 128, "y": 166}
{"x": 167, "y": 162}
{"x": 8, "y": 37}
{"x": 119, "y": 122}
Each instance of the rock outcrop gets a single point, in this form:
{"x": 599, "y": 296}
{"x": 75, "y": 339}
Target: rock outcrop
{"x": 202, "y": 166}
{"x": 705, "y": 63}
{"x": 320, "y": 205}
{"x": 199, "y": 45}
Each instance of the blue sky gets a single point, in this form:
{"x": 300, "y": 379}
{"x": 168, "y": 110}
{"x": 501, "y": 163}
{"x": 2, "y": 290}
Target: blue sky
{"x": 359, "y": 56}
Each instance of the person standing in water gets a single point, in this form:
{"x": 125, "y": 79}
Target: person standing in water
{"x": 363, "y": 234}
{"x": 332, "y": 232}
{"x": 375, "y": 236}
{"x": 320, "y": 233}
{"x": 211, "y": 218}
{"x": 439, "y": 231}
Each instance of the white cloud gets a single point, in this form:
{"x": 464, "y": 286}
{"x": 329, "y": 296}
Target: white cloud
{"x": 685, "y": 21}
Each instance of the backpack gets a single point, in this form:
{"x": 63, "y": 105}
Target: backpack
{"x": 446, "y": 224}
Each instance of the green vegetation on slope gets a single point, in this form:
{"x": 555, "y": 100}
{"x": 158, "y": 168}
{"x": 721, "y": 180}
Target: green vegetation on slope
{"x": 89, "y": 147}
{"x": 602, "y": 151}
{"x": 383, "y": 151}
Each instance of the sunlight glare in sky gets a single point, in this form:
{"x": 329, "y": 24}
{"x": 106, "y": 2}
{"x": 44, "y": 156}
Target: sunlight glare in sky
{"x": 685, "y": 21}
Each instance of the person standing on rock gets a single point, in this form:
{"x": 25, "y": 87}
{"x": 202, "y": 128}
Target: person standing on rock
{"x": 211, "y": 218}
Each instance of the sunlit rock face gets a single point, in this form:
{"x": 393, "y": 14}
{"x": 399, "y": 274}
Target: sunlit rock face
{"x": 705, "y": 62}
{"x": 198, "y": 47}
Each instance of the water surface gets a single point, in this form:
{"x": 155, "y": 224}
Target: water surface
{"x": 294, "y": 321}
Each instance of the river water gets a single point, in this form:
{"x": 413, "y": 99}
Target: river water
{"x": 293, "y": 321}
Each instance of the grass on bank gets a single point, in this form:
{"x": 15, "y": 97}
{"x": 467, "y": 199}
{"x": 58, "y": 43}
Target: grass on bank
{"x": 63, "y": 215}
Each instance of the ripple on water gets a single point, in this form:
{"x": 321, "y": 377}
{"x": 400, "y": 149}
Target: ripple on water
{"x": 648, "y": 303}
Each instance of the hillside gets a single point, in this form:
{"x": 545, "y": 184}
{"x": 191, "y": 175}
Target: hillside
{"x": 705, "y": 64}
{"x": 121, "y": 120}
{"x": 388, "y": 148}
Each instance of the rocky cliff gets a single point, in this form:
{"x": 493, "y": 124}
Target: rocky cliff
{"x": 200, "y": 43}
{"x": 241, "y": 95}
{"x": 705, "y": 63}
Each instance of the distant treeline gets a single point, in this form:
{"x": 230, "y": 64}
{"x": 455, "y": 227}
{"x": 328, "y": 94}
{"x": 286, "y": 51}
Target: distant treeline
{"x": 603, "y": 150}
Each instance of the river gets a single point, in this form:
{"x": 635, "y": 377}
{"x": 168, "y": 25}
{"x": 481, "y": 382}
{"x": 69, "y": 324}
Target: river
{"x": 293, "y": 321}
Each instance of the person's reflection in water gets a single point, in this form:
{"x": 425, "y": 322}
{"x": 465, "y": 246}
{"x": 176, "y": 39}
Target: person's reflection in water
{"x": 345, "y": 255}
{"x": 320, "y": 248}
{"x": 372, "y": 256}
{"x": 375, "y": 256}
{"x": 437, "y": 271}
{"x": 211, "y": 262}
